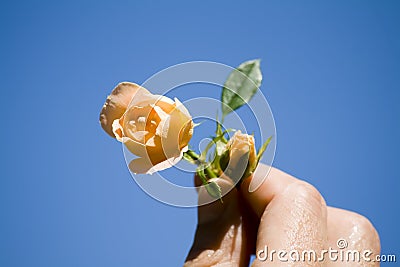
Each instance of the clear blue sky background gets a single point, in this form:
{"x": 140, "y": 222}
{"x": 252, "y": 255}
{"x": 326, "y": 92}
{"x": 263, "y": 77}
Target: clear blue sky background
{"x": 332, "y": 80}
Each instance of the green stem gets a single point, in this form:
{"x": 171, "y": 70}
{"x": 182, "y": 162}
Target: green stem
{"x": 196, "y": 157}
{"x": 193, "y": 155}
{"x": 210, "y": 172}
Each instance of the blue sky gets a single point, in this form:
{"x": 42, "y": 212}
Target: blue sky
{"x": 331, "y": 77}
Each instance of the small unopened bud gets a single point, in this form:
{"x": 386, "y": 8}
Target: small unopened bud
{"x": 239, "y": 159}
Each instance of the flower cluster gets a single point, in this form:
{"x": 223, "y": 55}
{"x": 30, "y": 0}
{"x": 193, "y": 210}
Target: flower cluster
{"x": 158, "y": 129}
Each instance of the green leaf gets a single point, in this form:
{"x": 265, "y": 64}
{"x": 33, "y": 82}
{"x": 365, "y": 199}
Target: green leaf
{"x": 262, "y": 149}
{"x": 218, "y": 131}
{"x": 214, "y": 190}
{"x": 241, "y": 86}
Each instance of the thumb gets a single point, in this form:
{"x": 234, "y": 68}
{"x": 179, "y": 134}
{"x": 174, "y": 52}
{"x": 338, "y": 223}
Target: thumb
{"x": 220, "y": 237}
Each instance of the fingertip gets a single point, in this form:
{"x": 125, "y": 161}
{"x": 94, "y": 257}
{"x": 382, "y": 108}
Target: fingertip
{"x": 211, "y": 208}
{"x": 258, "y": 178}
{"x": 260, "y": 188}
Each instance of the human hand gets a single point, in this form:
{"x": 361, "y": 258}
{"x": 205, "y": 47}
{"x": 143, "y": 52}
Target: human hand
{"x": 284, "y": 213}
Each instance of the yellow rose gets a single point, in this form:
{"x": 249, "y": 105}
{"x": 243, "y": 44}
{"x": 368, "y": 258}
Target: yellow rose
{"x": 155, "y": 128}
{"x": 239, "y": 158}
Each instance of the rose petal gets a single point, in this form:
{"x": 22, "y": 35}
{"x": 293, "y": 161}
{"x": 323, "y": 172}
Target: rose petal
{"x": 117, "y": 129}
{"x": 117, "y": 103}
{"x": 178, "y": 121}
{"x": 144, "y": 97}
{"x": 140, "y": 165}
{"x": 163, "y": 126}
{"x": 151, "y": 142}
{"x": 186, "y": 134}
{"x": 139, "y": 136}
{"x": 134, "y": 147}
{"x": 165, "y": 164}
{"x": 182, "y": 108}
{"x": 143, "y": 165}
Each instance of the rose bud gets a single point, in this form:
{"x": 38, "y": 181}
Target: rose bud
{"x": 155, "y": 128}
{"x": 239, "y": 158}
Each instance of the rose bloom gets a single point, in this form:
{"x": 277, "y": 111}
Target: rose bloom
{"x": 239, "y": 158}
{"x": 155, "y": 128}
